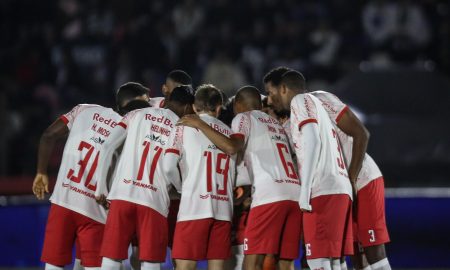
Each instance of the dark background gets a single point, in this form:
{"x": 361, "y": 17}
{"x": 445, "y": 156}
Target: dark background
{"x": 389, "y": 60}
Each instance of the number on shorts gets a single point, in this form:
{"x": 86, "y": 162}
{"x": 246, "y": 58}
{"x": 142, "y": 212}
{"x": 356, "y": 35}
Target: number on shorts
{"x": 372, "y": 236}
{"x": 83, "y": 166}
{"x": 245, "y": 244}
{"x": 308, "y": 249}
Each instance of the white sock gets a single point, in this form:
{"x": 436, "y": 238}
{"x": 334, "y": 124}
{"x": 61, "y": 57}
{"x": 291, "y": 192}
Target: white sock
{"x": 237, "y": 259}
{"x": 150, "y": 266}
{"x": 344, "y": 265}
{"x": 110, "y": 264}
{"x": 367, "y": 268}
{"x": 77, "y": 265}
{"x": 381, "y": 265}
{"x": 336, "y": 264}
{"x": 52, "y": 267}
{"x": 320, "y": 263}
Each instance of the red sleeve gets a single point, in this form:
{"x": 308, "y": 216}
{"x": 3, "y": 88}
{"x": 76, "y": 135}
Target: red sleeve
{"x": 341, "y": 113}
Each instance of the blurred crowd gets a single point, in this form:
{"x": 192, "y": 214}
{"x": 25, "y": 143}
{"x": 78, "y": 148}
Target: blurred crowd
{"x": 55, "y": 54}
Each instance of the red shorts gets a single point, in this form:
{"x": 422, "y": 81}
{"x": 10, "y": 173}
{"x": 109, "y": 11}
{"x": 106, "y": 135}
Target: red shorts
{"x": 127, "y": 219}
{"x": 202, "y": 239}
{"x": 64, "y": 228}
{"x": 328, "y": 228}
{"x": 370, "y": 225}
{"x": 172, "y": 219}
{"x": 274, "y": 228}
{"x": 238, "y": 228}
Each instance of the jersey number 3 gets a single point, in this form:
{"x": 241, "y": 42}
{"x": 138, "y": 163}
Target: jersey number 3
{"x": 83, "y": 166}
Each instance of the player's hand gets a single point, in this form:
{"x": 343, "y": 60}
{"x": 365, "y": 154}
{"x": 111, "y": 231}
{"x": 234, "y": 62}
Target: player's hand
{"x": 305, "y": 207}
{"x": 246, "y": 203}
{"x": 102, "y": 201}
{"x": 190, "y": 120}
{"x": 40, "y": 185}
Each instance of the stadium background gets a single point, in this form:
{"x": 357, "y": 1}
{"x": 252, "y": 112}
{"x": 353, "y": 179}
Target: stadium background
{"x": 390, "y": 60}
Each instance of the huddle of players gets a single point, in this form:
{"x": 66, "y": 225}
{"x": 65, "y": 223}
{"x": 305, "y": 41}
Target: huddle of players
{"x": 185, "y": 146}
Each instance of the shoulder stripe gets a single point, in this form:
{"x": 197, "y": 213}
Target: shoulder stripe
{"x": 341, "y": 113}
{"x": 304, "y": 122}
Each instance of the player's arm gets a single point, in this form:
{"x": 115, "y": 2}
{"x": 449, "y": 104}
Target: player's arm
{"x": 310, "y": 150}
{"x": 55, "y": 131}
{"x": 170, "y": 168}
{"x": 229, "y": 145}
{"x": 106, "y": 153}
{"x": 351, "y": 126}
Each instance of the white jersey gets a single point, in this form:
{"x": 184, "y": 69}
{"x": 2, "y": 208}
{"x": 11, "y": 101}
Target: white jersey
{"x": 138, "y": 177}
{"x": 157, "y": 102}
{"x": 335, "y": 109}
{"x": 330, "y": 172}
{"x": 267, "y": 157}
{"x": 90, "y": 126}
{"x": 207, "y": 173}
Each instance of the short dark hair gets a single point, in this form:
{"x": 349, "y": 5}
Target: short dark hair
{"x": 208, "y": 97}
{"x": 274, "y": 75}
{"x": 293, "y": 80}
{"x": 250, "y": 96}
{"x": 134, "y": 105}
{"x": 130, "y": 90}
{"x": 180, "y": 76}
{"x": 183, "y": 95}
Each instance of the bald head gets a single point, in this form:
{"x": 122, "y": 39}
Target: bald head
{"x": 248, "y": 98}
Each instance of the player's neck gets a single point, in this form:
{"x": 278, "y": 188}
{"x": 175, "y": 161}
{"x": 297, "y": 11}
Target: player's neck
{"x": 213, "y": 114}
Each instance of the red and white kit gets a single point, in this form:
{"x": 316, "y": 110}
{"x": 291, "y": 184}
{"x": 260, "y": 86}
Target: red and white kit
{"x": 157, "y": 102}
{"x": 274, "y": 218}
{"x": 371, "y": 226}
{"x": 139, "y": 194}
{"x": 206, "y": 207}
{"x": 327, "y": 181}
{"x": 75, "y": 213}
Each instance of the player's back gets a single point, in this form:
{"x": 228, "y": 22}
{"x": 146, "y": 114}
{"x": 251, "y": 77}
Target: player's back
{"x": 335, "y": 109}
{"x": 208, "y": 175}
{"x": 331, "y": 172}
{"x": 138, "y": 177}
{"x": 89, "y": 125}
{"x": 268, "y": 158}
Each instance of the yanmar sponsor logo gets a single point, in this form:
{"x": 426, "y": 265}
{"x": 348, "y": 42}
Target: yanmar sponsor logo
{"x": 140, "y": 184}
{"x": 77, "y": 190}
{"x": 214, "y": 197}
{"x": 155, "y": 138}
{"x": 287, "y": 181}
